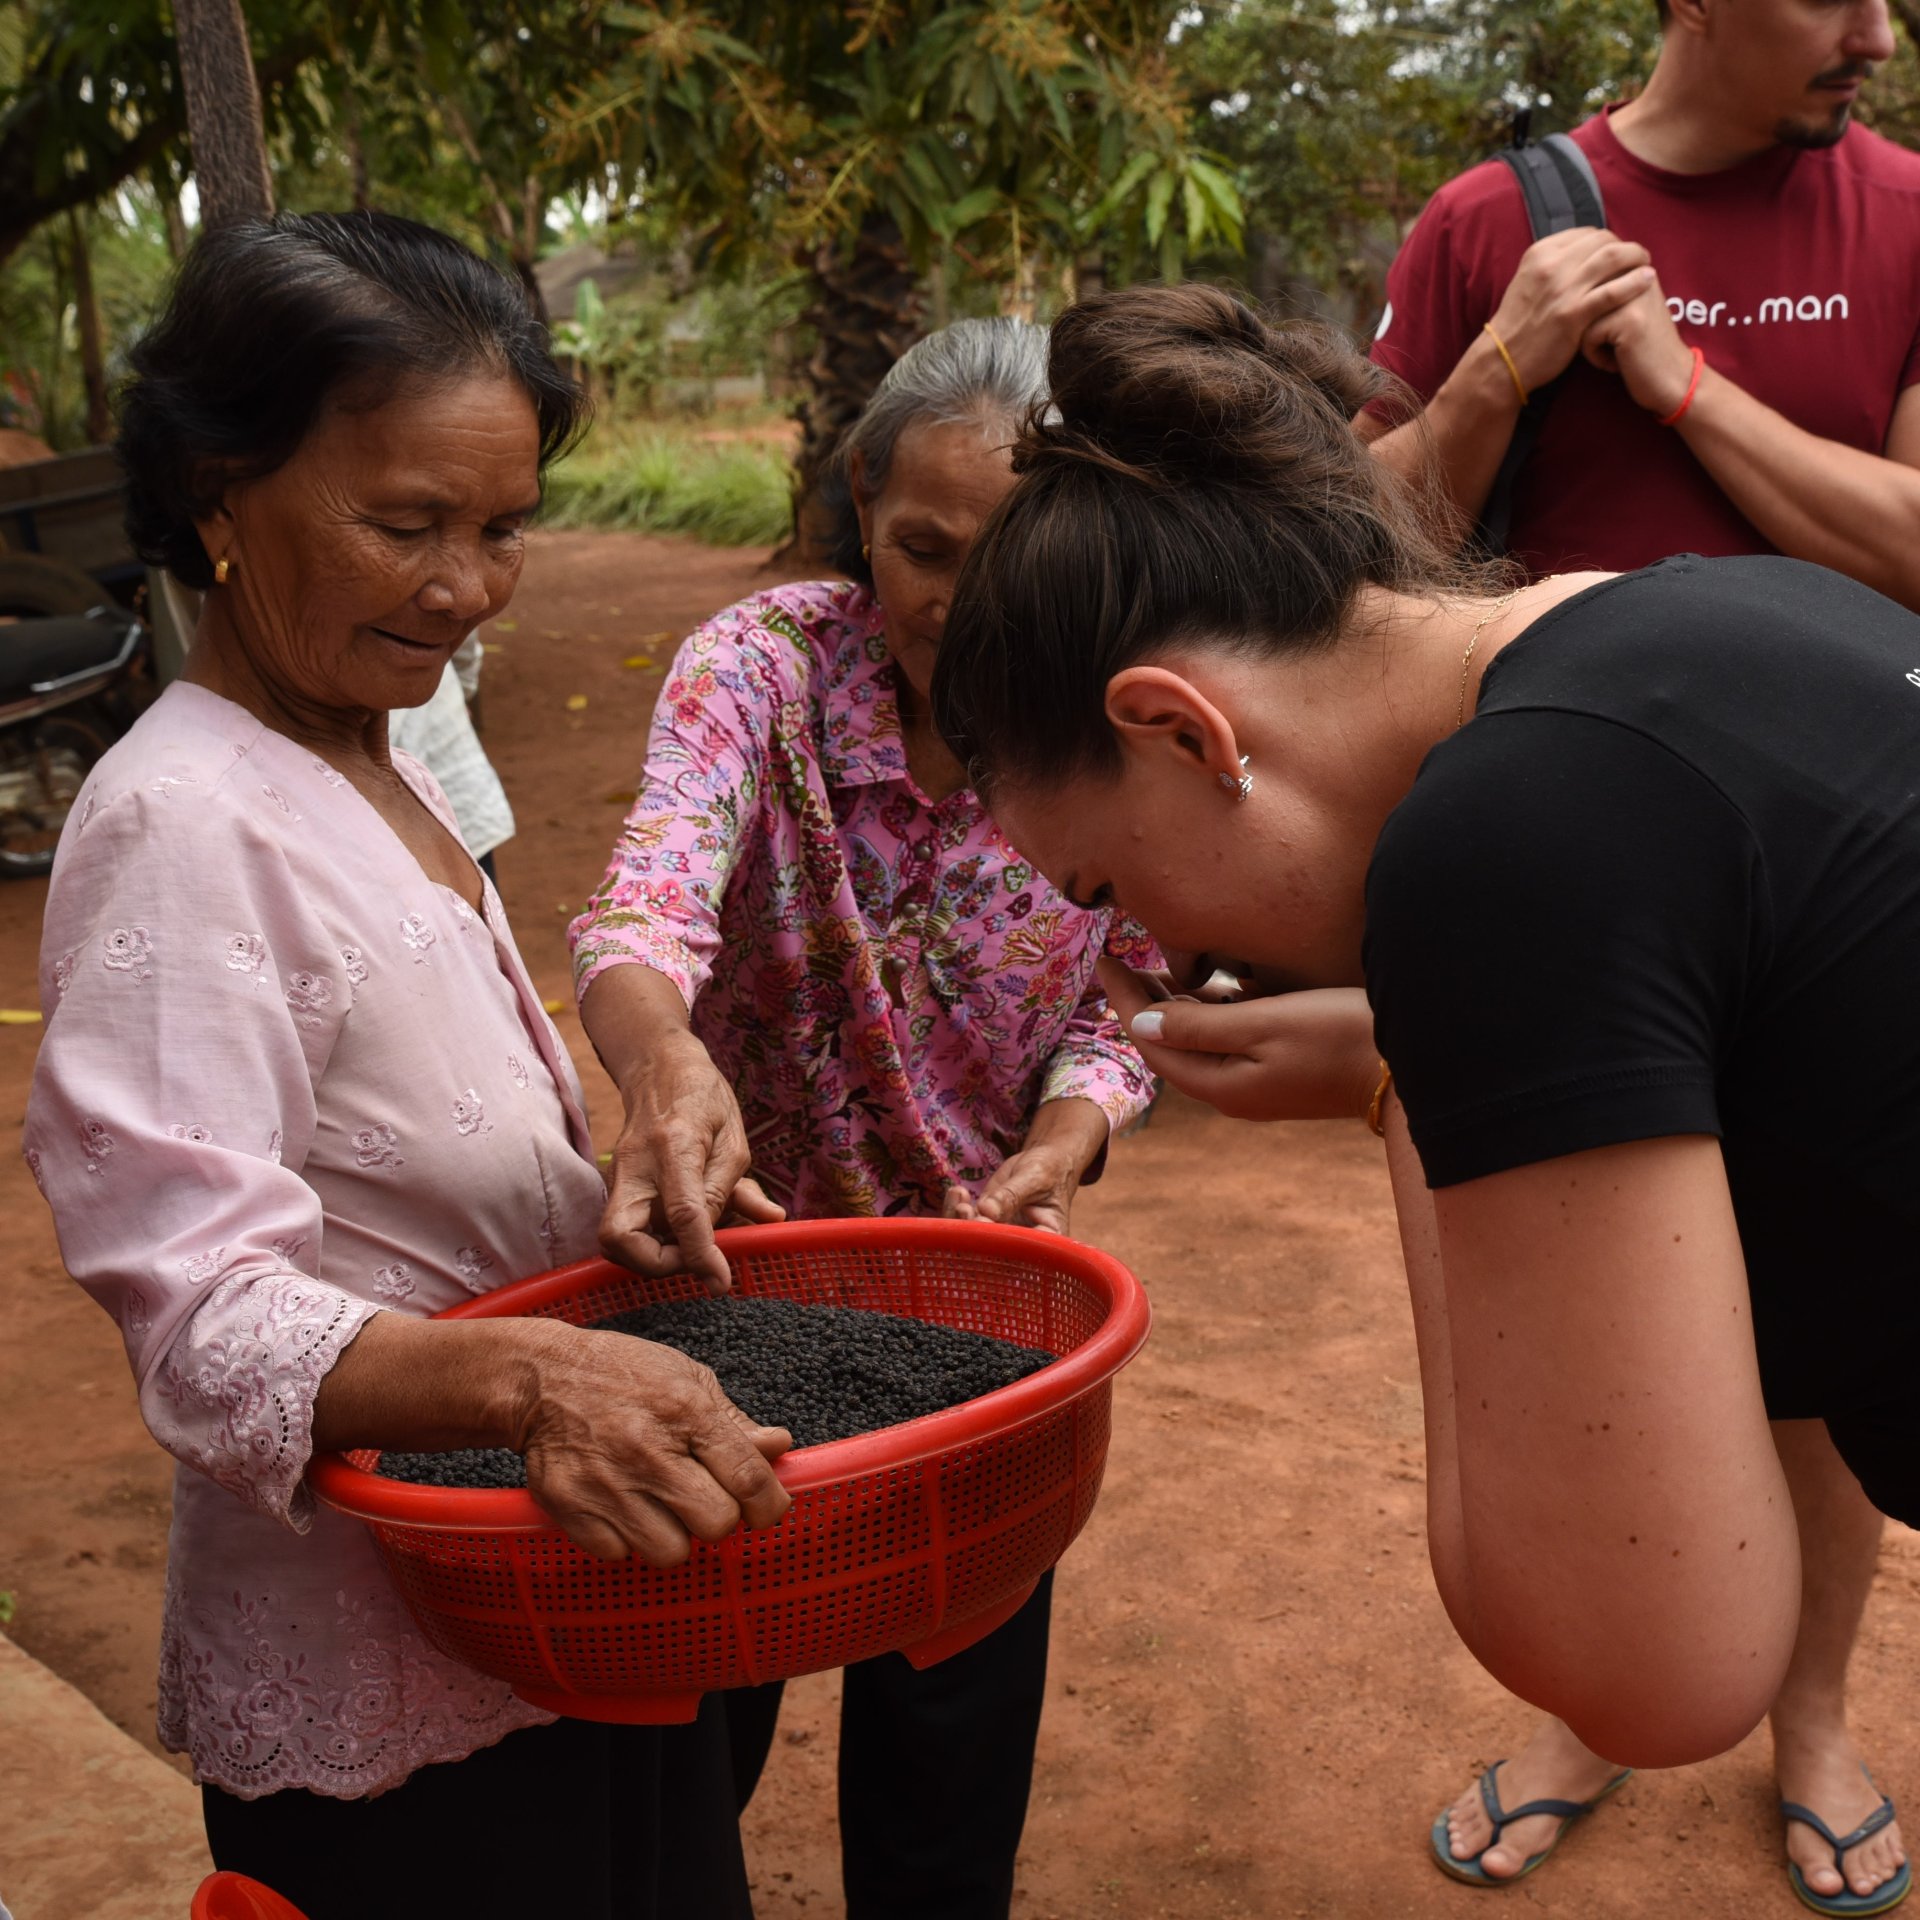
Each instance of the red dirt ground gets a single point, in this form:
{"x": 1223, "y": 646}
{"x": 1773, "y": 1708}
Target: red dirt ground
{"x": 1256, "y": 1701}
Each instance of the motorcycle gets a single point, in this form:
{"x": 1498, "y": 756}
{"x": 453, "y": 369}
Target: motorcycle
{"x": 70, "y": 685}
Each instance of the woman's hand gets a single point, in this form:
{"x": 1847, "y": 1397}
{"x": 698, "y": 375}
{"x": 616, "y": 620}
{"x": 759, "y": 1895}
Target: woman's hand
{"x": 1035, "y": 1187}
{"x": 632, "y": 1448}
{"x": 681, "y": 1160}
{"x": 679, "y": 1165}
{"x": 1291, "y": 1056}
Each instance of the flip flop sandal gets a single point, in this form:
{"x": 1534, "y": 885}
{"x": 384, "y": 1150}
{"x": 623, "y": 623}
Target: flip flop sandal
{"x": 1567, "y": 1812}
{"x": 1884, "y": 1898}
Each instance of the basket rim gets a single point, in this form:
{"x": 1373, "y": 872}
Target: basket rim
{"x": 365, "y": 1495}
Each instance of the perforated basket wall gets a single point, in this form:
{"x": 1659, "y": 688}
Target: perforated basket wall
{"x": 921, "y": 1537}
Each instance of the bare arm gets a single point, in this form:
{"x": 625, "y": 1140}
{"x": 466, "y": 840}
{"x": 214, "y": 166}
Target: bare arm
{"x": 631, "y": 1447}
{"x": 1426, "y": 1288}
{"x": 1625, "y": 1553}
{"x": 1465, "y": 427}
{"x": 681, "y": 1159}
{"x": 1856, "y": 512}
{"x": 1563, "y": 284}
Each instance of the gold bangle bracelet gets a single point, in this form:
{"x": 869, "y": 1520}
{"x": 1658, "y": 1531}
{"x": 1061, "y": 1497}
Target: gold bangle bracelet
{"x": 1379, "y": 1100}
{"x": 1513, "y": 372}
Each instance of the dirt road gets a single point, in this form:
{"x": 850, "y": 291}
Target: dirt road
{"x": 1256, "y": 1701}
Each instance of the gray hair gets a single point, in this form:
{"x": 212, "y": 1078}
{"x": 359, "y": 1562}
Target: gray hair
{"x": 984, "y": 370}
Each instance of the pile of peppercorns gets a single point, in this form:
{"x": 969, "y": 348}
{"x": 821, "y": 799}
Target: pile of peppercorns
{"x": 823, "y": 1373}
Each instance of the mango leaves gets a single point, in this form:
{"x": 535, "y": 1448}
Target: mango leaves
{"x": 1000, "y": 129}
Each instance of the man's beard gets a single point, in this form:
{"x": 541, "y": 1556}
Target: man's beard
{"x": 1811, "y": 136}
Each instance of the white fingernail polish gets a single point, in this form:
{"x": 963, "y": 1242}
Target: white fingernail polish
{"x": 1147, "y": 1024}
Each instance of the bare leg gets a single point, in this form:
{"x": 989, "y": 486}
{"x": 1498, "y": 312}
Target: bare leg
{"x": 1814, "y": 1756}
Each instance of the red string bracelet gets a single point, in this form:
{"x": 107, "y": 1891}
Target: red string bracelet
{"x": 1693, "y": 386}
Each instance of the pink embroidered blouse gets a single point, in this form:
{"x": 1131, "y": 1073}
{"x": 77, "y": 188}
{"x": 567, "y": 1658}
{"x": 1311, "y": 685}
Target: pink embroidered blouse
{"x": 890, "y": 988}
{"x": 287, "y": 1082}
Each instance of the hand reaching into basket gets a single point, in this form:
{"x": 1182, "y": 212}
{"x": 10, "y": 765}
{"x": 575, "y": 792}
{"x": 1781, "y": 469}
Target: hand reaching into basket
{"x": 1035, "y": 1187}
{"x": 681, "y": 1161}
{"x": 1306, "y": 1055}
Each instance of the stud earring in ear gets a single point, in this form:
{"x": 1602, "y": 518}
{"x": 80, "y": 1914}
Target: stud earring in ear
{"x": 221, "y": 568}
{"x": 866, "y": 552}
{"x": 1242, "y": 788}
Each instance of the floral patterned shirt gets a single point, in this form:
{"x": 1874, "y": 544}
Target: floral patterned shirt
{"x": 287, "y": 1082}
{"x": 890, "y": 988}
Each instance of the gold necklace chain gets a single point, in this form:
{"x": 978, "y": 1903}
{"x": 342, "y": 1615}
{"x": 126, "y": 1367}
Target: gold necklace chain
{"x": 1466, "y": 659}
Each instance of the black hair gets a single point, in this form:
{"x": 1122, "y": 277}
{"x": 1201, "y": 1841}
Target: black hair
{"x": 1197, "y": 477}
{"x": 270, "y": 320}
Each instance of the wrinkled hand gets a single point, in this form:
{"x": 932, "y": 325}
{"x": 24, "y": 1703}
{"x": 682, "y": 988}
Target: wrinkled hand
{"x": 1564, "y": 284}
{"x": 1641, "y": 344}
{"x": 1307, "y": 1055}
{"x": 1035, "y": 1187}
{"x": 679, "y": 1165}
{"x": 632, "y": 1448}
{"x": 1032, "y": 1188}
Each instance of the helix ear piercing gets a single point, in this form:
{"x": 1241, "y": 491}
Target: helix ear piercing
{"x": 1242, "y": 788}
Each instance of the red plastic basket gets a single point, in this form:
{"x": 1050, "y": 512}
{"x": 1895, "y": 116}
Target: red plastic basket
{"x": 232, "y": 1896}
{"x": 922, "y": 1537}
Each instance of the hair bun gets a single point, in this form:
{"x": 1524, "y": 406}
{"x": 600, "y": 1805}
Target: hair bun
{"x": 1183, "y": 382}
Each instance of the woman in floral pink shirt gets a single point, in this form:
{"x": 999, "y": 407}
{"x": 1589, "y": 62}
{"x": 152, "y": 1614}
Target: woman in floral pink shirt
{"x": 826, "y": 984}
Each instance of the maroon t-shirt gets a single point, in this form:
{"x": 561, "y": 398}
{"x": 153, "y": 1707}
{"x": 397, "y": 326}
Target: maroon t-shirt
{"x": 1797, "y": 273}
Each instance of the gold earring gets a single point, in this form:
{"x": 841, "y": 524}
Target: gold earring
{"x": 866, "y": 552}
{"x": 221, "y": 568}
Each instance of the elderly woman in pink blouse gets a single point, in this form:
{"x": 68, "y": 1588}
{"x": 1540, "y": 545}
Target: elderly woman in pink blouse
{"x": 825, "y": 984}
{"x": 297, "y": 1092}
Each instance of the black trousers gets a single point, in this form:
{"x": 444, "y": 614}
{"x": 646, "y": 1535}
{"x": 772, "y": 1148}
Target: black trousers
{"x": 576, "y": 1820}
{"x": 935, "y": 1770}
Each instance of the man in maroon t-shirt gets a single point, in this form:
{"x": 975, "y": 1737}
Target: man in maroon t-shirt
{"x": 1745, "y": 217}
{"x": 1747, "y": 220}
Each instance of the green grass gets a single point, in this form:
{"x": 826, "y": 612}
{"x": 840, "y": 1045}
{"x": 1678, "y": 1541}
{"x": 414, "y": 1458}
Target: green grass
{"x": 735, "y": 494}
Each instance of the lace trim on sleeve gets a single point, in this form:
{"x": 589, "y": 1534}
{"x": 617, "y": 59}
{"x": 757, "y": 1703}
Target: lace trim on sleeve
{"x": 233, "y": 1397}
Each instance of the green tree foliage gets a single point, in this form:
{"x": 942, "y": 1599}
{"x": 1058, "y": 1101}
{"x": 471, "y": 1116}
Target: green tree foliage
{"x": 1343, "y": 116}
{"x": 90, "y": 97}
{"x": 1012, "y": 126}
{"x": 869, "y": 142}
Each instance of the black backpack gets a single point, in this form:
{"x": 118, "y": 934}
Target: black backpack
{"x": 1557, "y": 181}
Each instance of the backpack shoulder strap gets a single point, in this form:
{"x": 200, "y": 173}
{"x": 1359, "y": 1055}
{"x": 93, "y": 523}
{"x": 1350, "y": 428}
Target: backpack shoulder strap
{"x": 1576, "y": 173}
{"x": 1557, "y": 182}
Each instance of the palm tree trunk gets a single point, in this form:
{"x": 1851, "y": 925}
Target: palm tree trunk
{"x": 868, "y": 308}
{"x": 93, "y": 360}
{"x": 167, "y": 191}
{"x": 223, "y": 112}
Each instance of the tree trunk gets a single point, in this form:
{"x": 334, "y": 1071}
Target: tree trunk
{"x": 526, "y": 258}
{"x": 167, "y": 191}
{"x": 93, "y": 359}
{"x": 223, "y": 112}
{"x": 868, "y": 308}
{"x": 356, "y": 146}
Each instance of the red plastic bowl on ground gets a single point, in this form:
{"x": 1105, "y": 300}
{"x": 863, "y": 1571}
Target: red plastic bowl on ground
{"x": 232, "y": 1896}
{"x": 921, "y": 1537}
